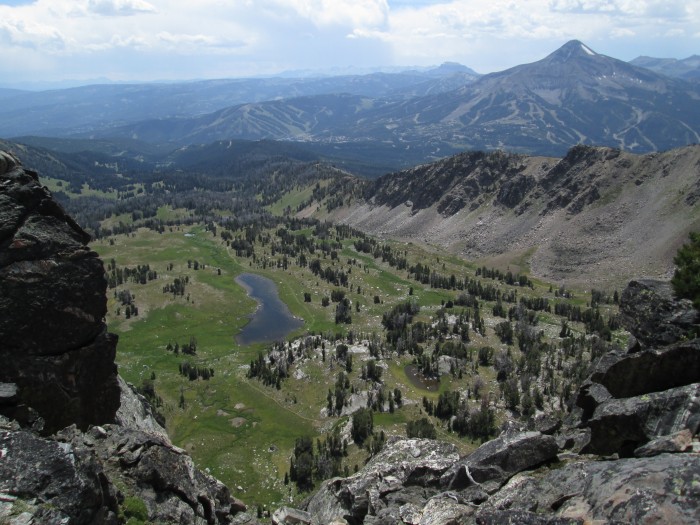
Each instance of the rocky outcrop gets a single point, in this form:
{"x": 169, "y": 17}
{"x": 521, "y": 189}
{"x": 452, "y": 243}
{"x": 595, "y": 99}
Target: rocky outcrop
{"x": 402, "y": 464}
{"x": 654, "y": 316}
{"x": 58, "y": 378}
{"x": 421, "y": 481}
{"x": 51, "y": 481}
{"x": 628, "y": 452}
{"x": 619, "y": 426}
{"x": 493, "y": 463}
{"x": 653, "y": 390}
{"x": 650, "y": 370}
{"x": 52, "y": 297}
{"x": 641, "y": 491}
{"x": 136, "y": 412}
{"x": 97, "y": 476}
{"x": 163, "y": 476}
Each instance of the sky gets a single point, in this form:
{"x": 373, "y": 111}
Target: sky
{"x": 83, "y": 41}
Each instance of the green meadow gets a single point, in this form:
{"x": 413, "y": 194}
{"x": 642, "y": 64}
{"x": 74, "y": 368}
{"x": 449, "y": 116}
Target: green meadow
{"x": 240, "y": 430}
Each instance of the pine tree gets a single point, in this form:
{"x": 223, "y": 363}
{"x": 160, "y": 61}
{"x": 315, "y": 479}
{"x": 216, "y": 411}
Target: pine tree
{"x": 686, "y": 279}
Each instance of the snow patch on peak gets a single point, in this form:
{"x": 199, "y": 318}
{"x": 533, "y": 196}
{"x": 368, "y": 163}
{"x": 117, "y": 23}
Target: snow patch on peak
{"x": 587, "y": 50}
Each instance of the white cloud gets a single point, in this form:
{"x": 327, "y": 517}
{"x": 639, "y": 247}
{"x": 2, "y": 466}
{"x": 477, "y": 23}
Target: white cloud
{"x": 119, "y": 7}
{"x": 347, "y": 13}
{"x": 622, "y": 32}
{"x": 224, "y": 37}
{"x": 29, "y": 34}
{"x": 190, "y": 43}
{"x": 587, "y": 6}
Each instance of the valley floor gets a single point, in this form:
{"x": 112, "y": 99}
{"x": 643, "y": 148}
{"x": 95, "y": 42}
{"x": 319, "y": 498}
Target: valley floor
{"x": 239, "y": 428}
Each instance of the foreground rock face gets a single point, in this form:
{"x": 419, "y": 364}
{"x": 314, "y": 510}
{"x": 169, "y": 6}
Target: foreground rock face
{"x": 74, "y": 478}
{"x": 52, "y": 297}
{"x": 659, "y": 490}
{"x": 628, "y": 453}
{"x": 64, "y": 482}
{"x": 136, "y": 412}
{"x": 401, "y": 465}
{"x": 496, "y": 461}
{"x": 58, "y": 377}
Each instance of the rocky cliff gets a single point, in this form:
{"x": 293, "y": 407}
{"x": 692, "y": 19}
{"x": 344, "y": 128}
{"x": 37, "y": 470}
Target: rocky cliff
{"x": 627, "y": 453}
{"x": 52, "y": 297}
{"x": 77, "y": 445}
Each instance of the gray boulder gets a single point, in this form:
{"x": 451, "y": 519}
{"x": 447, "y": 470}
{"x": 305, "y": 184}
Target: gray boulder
{"x": 681, "y": 441}
{"x": 135, "y": 412}
{"x": 86, "y": 478}
{"x": 148, "y": 467}
{"x": 663, "y": 489}
{"x": 289, "y": 516}
{"x": 590, "y": 395}
{"x": 619, "y": 426}
{"x": 649, "y": 310}
{"x": 522, "y": 517}
{"x": 499, "y": 459}
{"x": 651, "y": 370}
{"x": 59, "y": 482}
{"x": 402, "y": 463}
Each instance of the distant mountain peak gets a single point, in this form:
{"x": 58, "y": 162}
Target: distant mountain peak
{"x": 449, "y": 68}
{"x": 686, "y": 68}
{"x": 571, "y": 50}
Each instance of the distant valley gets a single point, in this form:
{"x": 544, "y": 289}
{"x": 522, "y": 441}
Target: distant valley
{"x": 575, "y": 189}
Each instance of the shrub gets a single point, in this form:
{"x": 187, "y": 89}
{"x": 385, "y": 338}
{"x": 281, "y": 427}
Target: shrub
{"x": 420, "y": 428}
{"x": 134, "y": 511}
{"x": 686, "y": 279}
{"x": 362, "y": 425}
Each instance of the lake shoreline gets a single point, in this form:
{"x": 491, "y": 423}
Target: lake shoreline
{"x": 272, "y": 320}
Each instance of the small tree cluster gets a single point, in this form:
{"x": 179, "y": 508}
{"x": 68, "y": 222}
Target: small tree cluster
{"x": 189, "y": 348}
{"x": 362, "y": 425}
{"x": 177, "y": 287}
{"x": 194, "y": 372}
{"x": 420, "y": 428}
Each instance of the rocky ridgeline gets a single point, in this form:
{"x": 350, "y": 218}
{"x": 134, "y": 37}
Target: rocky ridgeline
{"x": 627, "y": 453}
{"x": 596, "y": 216}
{"x": 77, "y": 444}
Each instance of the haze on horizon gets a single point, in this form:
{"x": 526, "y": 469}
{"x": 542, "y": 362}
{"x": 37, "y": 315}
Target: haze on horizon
{"x": 83, "y": 41}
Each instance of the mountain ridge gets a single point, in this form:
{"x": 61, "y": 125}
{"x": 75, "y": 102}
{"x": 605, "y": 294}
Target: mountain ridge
{"x": 574, "y": 95}
{"x": 597, "y": 214}
{"x": 686, "y": 68}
